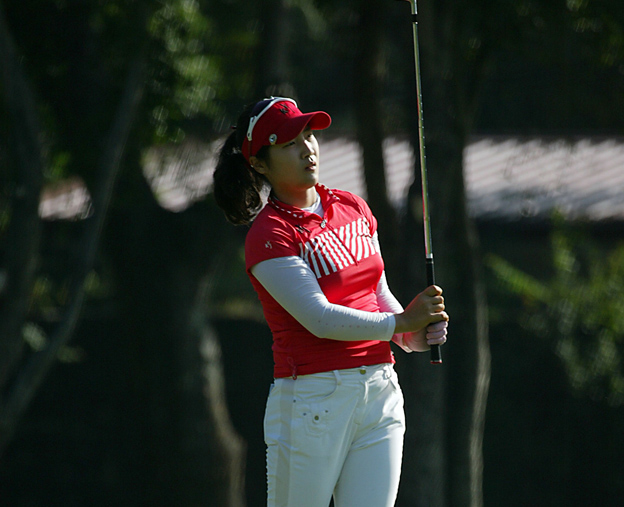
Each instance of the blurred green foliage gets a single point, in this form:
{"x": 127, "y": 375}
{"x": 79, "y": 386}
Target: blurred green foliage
{"x": 580, "y": 309}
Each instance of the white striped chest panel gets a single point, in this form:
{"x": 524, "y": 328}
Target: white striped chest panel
{"x": 335, "y": 249}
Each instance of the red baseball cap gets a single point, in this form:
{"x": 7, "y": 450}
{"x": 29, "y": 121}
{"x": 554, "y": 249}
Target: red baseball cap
{"x": 278, "y": 120}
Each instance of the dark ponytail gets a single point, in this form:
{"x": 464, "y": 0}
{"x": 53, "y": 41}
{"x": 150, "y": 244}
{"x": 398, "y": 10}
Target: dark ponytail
{"x": 237, "y": 187}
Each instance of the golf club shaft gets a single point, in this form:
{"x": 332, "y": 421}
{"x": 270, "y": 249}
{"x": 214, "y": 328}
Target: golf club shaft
{"x": 436, "y": 357}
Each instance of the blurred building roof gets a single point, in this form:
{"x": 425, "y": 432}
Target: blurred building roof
{"x": 341, "y": 167}
{"x": 510, "y": 178}
{"x": 507, "y": 178}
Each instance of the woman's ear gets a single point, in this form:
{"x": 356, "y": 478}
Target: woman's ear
{"x": 258, "y": 165}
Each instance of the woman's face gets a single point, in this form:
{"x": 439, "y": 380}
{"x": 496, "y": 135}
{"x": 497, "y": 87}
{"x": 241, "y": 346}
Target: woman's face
{"x": 292, "y": 168}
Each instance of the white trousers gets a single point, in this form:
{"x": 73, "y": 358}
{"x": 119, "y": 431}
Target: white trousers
{"x": 335, "y": 433}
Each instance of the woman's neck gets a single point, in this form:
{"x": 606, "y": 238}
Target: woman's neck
{"x": 304, "y": 199}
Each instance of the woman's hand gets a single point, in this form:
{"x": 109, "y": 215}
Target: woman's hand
{"x": 421, "y": 341}
{"x": 425, "y": 309}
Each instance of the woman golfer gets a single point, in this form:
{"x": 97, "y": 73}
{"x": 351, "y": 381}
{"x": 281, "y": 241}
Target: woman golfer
{"x": 334, "y": 420}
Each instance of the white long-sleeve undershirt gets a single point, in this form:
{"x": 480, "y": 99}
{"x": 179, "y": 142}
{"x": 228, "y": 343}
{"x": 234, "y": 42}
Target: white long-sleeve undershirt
{"x": 291, "y": 282}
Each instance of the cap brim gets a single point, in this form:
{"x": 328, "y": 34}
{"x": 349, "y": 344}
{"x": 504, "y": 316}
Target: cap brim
{"x": 318, "y": 120}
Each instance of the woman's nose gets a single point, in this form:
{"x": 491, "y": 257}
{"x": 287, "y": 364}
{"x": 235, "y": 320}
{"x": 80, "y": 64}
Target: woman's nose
{"x": 308, "y": 148}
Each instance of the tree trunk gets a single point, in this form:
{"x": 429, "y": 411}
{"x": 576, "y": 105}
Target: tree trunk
{"x": 24, "y": 232}
{"x": 368, "y": 86}
{"x": 272, "y": 61}
{"x": 32, "y": 374}
{"x": 211, "y": 464}
{"x": 466, "y": 359}
{"x": 186, "y": 451}
{"x": 448, "y": 116}
{"x": 423, "y": 481}
{"x": 446, "y": 469}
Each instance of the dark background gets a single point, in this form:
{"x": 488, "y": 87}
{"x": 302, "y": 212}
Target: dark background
{"x": 555, "y": 69}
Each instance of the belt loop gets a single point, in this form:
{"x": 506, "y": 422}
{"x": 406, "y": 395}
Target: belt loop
{"x": 293, "y": 367}
{"x": 386, "y": 371}
{"x": 338, "y": 377}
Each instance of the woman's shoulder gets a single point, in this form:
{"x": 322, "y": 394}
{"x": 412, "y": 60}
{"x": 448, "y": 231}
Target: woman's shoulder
{"x": 268, "y": 223}
{"x": 353, "y": 200}
{"x": 269, "y": 236}
{"x": 344, "y": 196}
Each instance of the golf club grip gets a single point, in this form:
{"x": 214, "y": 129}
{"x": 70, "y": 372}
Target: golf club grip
{"x": 435, "y": 355}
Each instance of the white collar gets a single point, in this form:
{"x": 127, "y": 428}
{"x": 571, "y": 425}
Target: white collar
{"x": 316, "y": 208}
